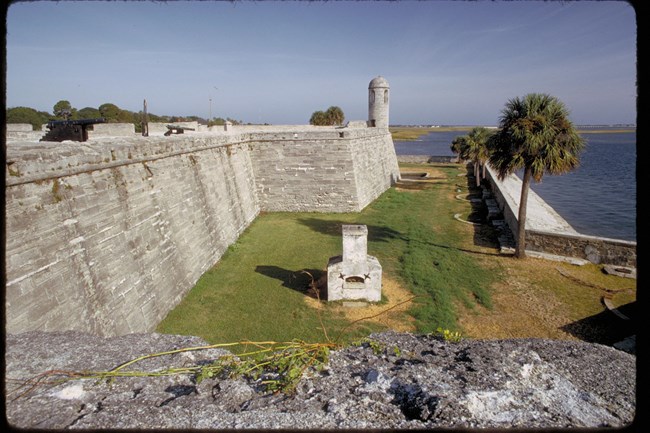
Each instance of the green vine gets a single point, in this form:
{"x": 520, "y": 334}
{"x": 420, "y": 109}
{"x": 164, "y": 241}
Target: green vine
{"x": 277, "y": 366}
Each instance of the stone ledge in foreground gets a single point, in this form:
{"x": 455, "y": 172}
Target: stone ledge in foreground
{"x": 529, "y": 383}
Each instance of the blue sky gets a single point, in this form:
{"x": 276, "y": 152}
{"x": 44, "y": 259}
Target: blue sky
{"x": 447, "y": 62}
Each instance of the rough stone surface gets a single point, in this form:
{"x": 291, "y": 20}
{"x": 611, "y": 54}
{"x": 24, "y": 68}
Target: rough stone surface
{"x": 404, "y": 381}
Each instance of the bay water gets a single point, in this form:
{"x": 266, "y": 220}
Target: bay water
{"x": 598, "y": 198}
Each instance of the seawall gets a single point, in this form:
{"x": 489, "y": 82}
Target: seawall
{"x": 108, "y": 235}
{"x": 546, "y": 231}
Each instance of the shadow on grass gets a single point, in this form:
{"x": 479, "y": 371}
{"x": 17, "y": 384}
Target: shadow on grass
{"x": 334, "y": 228}
{"x": 375, "y": 233}
{"x": 460, "y": 249}
{"x": 485, "y": 235}
{"x": 605, "y": 327}
{"x": 303, "y": 280}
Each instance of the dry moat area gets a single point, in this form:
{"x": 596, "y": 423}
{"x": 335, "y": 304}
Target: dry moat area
{"x": 490, "y": 295}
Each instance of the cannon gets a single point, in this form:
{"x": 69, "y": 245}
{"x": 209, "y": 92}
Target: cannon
{"x": 75, "y": 130}
{"x": 176, "y": 129}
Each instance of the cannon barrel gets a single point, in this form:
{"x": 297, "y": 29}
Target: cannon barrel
{"x": 75, "y": 122}
{"x": 180, "y": 127}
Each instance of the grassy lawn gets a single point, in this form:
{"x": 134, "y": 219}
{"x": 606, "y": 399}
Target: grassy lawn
{"x": 437, "y": 272}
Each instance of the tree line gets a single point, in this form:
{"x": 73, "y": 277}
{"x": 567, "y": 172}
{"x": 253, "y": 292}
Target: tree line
{"x": 534, "y": 134}
{"x": 332, "y": 116}
{"x": 111, "y": 113}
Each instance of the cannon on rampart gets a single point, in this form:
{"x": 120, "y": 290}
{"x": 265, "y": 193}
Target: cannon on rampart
{"x": 75, "y": 130}
{"x": 176, "y": 129}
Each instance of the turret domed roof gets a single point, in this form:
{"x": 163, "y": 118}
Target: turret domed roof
{"x": 378, "y": 82}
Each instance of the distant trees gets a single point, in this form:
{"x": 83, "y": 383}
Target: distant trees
{"x": 110, "y": 112}
{"x": 27, "y": 115}
{"x": 333, "y": 116}
{"x": 535, "y": 134}
{"x": 222, "y": 121}
{"x": 63, "y": 110}
{"x": 89, "y": 113}
{"x": 318, "y": 118}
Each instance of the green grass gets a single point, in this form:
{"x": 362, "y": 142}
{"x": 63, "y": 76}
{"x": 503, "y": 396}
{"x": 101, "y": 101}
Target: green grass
{"x": 256, "y": 291}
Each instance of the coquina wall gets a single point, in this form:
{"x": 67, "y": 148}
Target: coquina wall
{"x": 354, "y": 167}
{"x": 108, "y": 235}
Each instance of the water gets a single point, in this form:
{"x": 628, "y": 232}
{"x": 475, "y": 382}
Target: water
{"x": 598, "y": 198}
{"x": 434, "y": 143}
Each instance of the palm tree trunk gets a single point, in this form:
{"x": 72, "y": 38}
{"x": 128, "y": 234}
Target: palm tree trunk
{"x": 484, "y": 164}
{"x": 520, "y": 252}
{"x": 477, "y": 173}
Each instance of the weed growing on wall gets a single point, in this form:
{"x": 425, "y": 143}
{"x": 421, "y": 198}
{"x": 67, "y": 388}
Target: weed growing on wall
{"x": 13, "y": 171}
{"x": 447, "y": 335}
{"x": 56, "y": 191}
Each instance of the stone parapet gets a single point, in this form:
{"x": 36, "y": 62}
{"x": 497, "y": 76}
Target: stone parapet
{"x": 19, "y": 127}
{"x": 29, "y": 136}
{"x": 111, "y": 130}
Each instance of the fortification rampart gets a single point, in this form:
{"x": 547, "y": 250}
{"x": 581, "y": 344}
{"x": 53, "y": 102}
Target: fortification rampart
{"x": 112, "y": 130}
{"x": 108, "y": 235}
{"x": 24, "y": 131}
{"x": 354, "y": 167}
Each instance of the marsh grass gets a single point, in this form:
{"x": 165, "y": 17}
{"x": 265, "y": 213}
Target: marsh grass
{"x": 407, "y": 133}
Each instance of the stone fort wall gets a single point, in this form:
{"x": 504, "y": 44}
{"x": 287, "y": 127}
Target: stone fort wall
{"x": 108, "y": 235}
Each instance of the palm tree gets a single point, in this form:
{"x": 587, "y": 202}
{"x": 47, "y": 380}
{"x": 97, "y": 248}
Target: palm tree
{"x": 334, "y": 115}
{"x": 318, "y": 118}
{"x": 457, "y": 145}
{"x": 473, "y": 147}
{"x": 535, "y": 134}
{"x": 477, "y": 141}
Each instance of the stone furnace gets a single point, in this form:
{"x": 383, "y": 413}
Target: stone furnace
{"x": 354, "y": 275}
